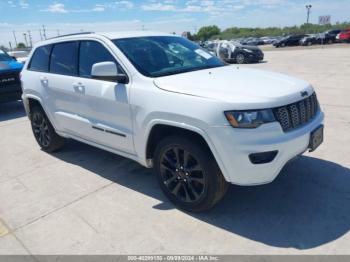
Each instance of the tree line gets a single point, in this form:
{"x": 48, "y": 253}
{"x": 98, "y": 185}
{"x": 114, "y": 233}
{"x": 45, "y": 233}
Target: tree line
{"x": 214, "y": 32}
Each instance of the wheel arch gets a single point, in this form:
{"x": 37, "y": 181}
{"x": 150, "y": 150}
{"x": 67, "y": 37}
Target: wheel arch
{"x": 31, "y": 100}
{"x": 160, "y": 130}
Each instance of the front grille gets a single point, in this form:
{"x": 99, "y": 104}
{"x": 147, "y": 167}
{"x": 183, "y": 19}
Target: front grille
{"x": 9, "y": 79}
{"x": 297, "y": 114}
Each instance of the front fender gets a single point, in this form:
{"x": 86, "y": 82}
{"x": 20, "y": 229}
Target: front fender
{"x": 142, "y": 141}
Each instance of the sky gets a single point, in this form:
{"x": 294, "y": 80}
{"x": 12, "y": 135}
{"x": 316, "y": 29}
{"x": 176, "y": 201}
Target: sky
{"x": 68, "y": 16}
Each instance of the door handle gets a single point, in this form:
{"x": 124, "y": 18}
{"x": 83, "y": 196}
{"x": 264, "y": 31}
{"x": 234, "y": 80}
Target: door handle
{"x": 44, "y": 80}
{"x": 79, "y": 88}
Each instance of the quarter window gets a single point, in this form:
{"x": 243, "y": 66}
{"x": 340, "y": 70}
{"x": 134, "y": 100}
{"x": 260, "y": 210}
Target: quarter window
{"x": 64, "y": 59}
{"x": 40, "y": 59}
{"x": 92, "y": 52}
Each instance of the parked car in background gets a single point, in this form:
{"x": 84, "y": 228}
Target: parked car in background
{"x": 10, "y": 84}
{"x": 267, "y": 40}
{"x": 328, "y": 37}
{"x": 233, "y": 52}
{"x": 165, "y": 102}
{"x": 344, "y": 36}
{"x": 292, "y": 40}
{"x": 20, "y": 56}
{"x": 309, "y": 40}
{"x": 252, "y": 41}
{"x": 210, "y": 46}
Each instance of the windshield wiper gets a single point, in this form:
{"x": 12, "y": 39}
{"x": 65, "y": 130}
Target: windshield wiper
{"x": 181, "y": 71}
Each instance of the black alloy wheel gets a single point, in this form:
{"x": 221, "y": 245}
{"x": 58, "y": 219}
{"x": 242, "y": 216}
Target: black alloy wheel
{"x": 182, "y": 174}
{"x": 188, "y": 173}
{"x": 43, "y": 131}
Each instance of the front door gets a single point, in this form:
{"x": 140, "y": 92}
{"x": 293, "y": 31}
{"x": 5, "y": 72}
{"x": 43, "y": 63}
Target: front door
{"x": 105, "y": 105}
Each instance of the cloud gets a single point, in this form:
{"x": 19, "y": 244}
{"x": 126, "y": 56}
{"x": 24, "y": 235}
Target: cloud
{"x": 56, "y": 8}
{"x": 158, "y": 7}
{"x": 125, "y": 4}
{"x": 212, "y": 7}
{"x": 99, "y": 8}
{"x": 61, "y": 8}
{"x": 23, "y": 4}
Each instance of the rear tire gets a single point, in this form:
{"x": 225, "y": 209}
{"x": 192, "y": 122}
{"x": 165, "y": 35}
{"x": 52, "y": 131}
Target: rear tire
{"x": 188, "y": 174}
{"x": 44, "y": 132}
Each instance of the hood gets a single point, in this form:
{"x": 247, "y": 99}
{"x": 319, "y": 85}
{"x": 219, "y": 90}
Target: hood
{"x": 250, "y": 47}
{"x": 12, "y": 65}
{"x": 244, "y": 88}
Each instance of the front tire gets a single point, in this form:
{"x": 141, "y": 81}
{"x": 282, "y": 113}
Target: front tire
{"x": 188, "y": 174}
{"x": 44, "y": 132}
{"x": 240, "y": 58}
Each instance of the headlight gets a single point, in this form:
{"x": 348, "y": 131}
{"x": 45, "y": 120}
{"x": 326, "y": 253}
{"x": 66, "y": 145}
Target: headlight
{"x": 249, "y": 119}
{"x": 248, "y": 50}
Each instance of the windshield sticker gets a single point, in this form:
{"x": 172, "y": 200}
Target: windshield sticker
{"x": 203, "y": 54}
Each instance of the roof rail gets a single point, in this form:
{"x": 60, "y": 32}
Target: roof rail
{"x": 80, "y": 33}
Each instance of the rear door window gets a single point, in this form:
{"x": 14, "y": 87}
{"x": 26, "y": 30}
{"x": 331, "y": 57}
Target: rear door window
{"x": 40, "y": 59}
{"x": 64, "y": 59}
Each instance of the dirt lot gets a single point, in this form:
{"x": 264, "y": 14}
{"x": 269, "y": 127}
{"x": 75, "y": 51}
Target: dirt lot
{"x": 82, "y": 200}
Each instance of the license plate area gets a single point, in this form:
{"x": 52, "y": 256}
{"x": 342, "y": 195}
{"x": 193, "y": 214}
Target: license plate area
{"x": 316, "y": 138}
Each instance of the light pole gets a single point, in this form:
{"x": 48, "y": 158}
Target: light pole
{"x": 25, "y": 39}
{"x": 14, "y": 36}
{"x": 308, "y": 7}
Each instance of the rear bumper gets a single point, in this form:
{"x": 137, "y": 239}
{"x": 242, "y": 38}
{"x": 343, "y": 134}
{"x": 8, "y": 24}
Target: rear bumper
{"x": 234, "y": 146}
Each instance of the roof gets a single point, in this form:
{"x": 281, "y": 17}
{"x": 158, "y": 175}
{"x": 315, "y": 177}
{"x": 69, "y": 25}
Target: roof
{"x": 128, "y": 34}
{"x": 109, "y": 35}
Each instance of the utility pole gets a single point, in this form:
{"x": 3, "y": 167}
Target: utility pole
{"x": 41, "y": 36}
{"x": 25, "y": 39}
{"x": 308, "y": 7}
{"x": 44, "y": 32}
{"x": 30, "y": 39}
{"x": 10, "y": 44}
{"x": 14, "y": 36}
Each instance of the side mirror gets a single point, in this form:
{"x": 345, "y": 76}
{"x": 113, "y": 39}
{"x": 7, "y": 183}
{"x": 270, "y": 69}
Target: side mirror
{"x": 108, "y": 71}
{"x": 14, "y": 58}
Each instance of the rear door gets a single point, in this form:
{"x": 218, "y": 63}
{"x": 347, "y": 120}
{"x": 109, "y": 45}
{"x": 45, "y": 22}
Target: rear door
{"x": 63, "y": 89}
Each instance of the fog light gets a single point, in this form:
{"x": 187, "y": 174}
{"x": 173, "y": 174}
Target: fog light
{"x": 263, "y": 158}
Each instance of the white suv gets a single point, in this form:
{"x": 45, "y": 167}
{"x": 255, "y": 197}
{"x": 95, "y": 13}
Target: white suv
{"x": 166, "y": 103}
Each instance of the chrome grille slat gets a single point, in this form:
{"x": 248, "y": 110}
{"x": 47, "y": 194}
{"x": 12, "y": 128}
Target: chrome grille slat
{"x": 297, "y": 114}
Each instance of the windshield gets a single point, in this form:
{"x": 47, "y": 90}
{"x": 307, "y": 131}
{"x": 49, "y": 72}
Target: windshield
{"x": 156, "y": 56}
{"x": 4, "y": 56}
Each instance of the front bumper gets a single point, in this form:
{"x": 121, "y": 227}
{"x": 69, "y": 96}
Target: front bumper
{"x": 10, "y": 96}
{"x": 254, "y": 57}
{"x": 233, "y": 147}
